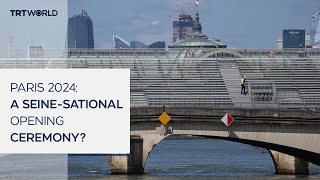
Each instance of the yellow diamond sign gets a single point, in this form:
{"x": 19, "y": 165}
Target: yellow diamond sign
{"x": 164, "y": 118}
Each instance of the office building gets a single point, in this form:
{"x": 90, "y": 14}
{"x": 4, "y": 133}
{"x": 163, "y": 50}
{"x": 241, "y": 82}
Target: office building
{"x": 294, "y": 38}
{"x": 307, "y": 42}
{"x": 80, "y": 31}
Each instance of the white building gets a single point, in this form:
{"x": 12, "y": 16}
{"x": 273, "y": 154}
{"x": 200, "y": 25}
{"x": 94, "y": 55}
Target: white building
{"x": 315, "y": 29}
{"x": 35, "y": 52}
{"x": 279, "y": 44}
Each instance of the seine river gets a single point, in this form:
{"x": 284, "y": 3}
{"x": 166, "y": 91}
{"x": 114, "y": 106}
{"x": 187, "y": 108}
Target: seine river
{"x": 171, "y": 159}
{"x": 191, "y": 159}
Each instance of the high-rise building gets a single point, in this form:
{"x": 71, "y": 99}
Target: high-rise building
{"x": 294, "y": 38}
{"x": 80, "y": 31}
{"x": 307, "y": 42}
{"x": 183, "y": 28}
{"x": 315, "y": 29}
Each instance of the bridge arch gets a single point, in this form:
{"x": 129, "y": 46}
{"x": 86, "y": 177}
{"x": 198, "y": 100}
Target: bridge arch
{"x": 280, "y": 155}
{"x": 222, "y": 53}
{"x": 291, "y": 134}
{"x": 194, "y": 145}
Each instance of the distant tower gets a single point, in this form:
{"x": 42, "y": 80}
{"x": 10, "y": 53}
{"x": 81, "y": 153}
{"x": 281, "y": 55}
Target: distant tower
{"x": 10, "y": 45}
{"x": 182, "y": 29}
{"x": 80, "y": 31}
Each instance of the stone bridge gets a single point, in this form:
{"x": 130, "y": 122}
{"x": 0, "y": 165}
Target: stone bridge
{"x": 291, "y": 136}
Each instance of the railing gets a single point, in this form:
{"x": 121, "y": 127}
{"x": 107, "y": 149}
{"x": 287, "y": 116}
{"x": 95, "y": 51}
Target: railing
{"x": 157, "y": 53}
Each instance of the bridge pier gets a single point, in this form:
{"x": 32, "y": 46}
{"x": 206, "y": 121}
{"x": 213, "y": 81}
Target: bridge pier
{"x": 128, "y": 164}
{"x": 286, "y": 164}
{"x": 140, "y": 148}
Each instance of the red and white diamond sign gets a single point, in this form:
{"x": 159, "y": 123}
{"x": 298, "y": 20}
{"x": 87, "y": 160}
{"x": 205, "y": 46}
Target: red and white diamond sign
{"x": 227, "y": 120}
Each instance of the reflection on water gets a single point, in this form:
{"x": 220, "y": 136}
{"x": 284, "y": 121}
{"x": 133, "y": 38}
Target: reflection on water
{"x": 189, "y": 159}
{"x": 18, "y": 166}
{"x": 171, "y": 159}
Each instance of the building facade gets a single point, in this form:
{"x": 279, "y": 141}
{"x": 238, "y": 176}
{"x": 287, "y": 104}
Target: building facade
{"x": 308, "y": 40}
{"x": 80, "y": 32}
{"x": 294, "y": 38}
{"x": 35, "y": 52}
{"x": 183, "y": 28}
{"x": 315, "y": 29}
{"x": 279, "y": 44}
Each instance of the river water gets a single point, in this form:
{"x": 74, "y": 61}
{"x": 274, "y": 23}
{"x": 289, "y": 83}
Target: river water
{"x": 175, "y": 158}
{"x": 183, "y": 158}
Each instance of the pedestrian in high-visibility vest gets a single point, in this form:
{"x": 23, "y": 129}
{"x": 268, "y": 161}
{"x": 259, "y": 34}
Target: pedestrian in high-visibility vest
{"x": 243, "y": 84}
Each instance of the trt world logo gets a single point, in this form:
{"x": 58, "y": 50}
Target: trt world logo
{"x": 34, "y": 12}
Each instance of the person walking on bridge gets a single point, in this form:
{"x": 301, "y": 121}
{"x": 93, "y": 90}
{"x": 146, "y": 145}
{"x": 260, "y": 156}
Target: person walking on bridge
{"x": 243, "y": 84}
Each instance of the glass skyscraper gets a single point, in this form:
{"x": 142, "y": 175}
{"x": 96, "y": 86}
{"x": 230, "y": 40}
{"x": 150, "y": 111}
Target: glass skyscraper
{"x": 80, "y": 31}
{"x": 294, "y": 38}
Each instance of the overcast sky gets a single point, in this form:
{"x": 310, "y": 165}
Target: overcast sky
{"x": 49, "y": 32}
{"x": 239, "y": 23}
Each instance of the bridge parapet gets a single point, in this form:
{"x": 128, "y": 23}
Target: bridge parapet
{"x": 215, "y": 114}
